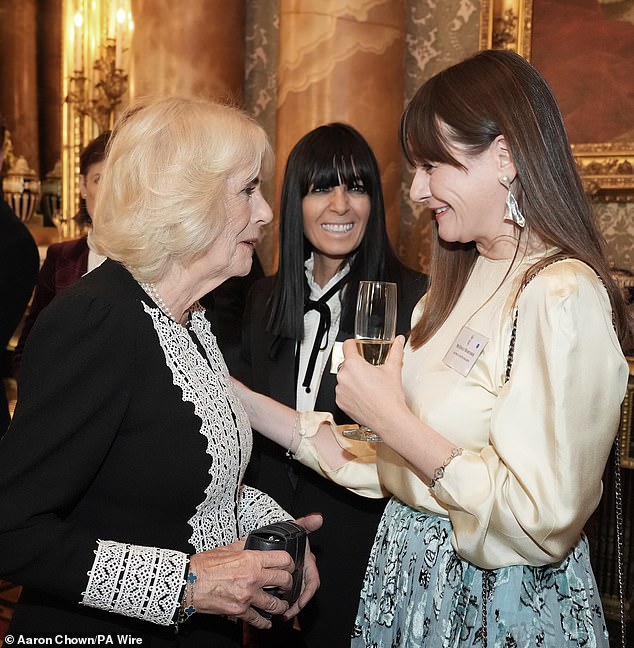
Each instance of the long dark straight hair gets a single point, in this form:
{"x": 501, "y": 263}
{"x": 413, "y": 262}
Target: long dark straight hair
{"x": 327, "y": 156}
{"x": 497, "y": 92}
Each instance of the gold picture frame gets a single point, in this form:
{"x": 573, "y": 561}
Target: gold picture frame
{"x": 607, "y": 168}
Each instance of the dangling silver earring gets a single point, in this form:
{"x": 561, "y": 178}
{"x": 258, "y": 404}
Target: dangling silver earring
{"x": 512, "y": 211}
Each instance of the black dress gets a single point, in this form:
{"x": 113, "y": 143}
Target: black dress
{"x": 126, "y": 454}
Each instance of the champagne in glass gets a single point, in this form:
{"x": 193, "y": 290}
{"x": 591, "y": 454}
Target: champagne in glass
{"x": 374, "y": 331}
{"x": 374, "y": 351}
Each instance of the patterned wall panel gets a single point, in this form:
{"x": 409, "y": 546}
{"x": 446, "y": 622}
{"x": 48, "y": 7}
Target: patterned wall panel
{"x": 440, "y": 33}
{"x": 616, "y": 222}
{"x": 262, "y": 42}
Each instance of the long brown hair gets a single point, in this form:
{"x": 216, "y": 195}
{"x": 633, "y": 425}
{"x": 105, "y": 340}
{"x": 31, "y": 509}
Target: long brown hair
{"x": 497, "y": 92}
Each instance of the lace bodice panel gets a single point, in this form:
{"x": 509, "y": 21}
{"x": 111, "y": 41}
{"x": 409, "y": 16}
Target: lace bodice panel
{"x": 199, "y": 370}
{"x": 227, "y": 510}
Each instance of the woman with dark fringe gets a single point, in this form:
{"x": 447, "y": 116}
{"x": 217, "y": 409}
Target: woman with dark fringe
{"x": 332, "y": 235}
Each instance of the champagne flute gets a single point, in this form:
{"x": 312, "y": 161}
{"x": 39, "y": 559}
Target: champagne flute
{"x": 374, "y": 331}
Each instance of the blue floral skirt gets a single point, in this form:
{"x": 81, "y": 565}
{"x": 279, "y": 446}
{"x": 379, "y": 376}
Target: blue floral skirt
{"x": 418, "y": 592}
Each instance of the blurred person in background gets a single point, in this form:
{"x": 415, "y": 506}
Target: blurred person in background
{"x": 19, "y": 264}
{"x": 67, "y": 261}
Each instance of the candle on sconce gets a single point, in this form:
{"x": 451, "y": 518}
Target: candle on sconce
{"x": 118, "y": 59}
{"x": 79, "y": 59}
{"x": 112, "y": 20}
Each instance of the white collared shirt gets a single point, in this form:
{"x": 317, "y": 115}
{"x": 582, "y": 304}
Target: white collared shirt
{"x": 306, "y": 401}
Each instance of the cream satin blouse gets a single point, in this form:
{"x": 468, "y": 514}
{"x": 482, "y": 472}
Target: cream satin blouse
{"x": 535, "y": 447}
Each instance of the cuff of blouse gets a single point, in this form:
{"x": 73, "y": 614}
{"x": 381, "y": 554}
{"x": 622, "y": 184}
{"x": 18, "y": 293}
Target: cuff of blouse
{"x": 358, "y": 475}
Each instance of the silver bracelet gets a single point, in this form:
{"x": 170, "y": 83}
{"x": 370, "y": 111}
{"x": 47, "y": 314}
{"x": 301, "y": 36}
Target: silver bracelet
{"x": 289, "y": 452}
{"x": 439, "y": 472}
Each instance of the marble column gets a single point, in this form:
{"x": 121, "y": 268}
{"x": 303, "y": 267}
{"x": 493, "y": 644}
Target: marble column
{"x": 49, "y": 61}
{"x": 344, "y": 60}
{"x": 18, "y": 77}
{"x": 192, "y": 48}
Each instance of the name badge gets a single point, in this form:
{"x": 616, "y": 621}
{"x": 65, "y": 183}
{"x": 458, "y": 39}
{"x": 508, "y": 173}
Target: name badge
{"x": 337, "y": 357}
{"x": 465, "y": 350}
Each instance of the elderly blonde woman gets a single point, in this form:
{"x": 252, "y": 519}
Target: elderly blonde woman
{"x": 121, "y": 495}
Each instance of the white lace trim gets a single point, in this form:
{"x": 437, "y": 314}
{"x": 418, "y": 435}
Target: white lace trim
{"x": 136, "y": 581}
{"x": 145, "y": 582}
{"x": 200, "y": 371}
{"x": 257, "y": 509}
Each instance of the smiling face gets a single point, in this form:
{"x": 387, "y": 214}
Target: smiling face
{"x": 468, "y": 202}
{"x": 335, "y": 219}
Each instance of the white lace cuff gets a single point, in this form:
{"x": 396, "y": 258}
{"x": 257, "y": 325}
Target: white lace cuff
{"x": 257, "y": 509}
{"x": 136, "y": 581}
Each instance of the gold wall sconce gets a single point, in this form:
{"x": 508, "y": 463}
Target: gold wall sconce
{"x": 97, "y": 39}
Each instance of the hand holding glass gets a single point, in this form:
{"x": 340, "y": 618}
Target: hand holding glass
{"x": 374, "y": 331}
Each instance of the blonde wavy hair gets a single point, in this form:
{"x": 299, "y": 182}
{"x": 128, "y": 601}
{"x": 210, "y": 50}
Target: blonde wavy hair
{"x": 161, "y": 198}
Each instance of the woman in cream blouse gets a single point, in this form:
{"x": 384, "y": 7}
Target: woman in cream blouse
{"x": 498, "y": 416}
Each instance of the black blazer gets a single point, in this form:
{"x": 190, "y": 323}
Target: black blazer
{"x": 19, "y": 265}
{"x": 343, "y": 544}
{"x": 64, "y": 265}
{"x": 104, "y": 445}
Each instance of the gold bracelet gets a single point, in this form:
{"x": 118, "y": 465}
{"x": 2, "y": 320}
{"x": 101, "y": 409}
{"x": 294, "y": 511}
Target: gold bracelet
{"x": 439, "y": 472}
{"x": 289, "y": 452}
